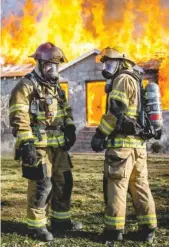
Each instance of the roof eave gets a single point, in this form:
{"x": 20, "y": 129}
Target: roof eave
{"x": 78, "y": 59}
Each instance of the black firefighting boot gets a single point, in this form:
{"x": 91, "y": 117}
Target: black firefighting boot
{"x": 40, "y": 233}
{"x": 110, "y": 236}
{"x": 60, "y": 226}
{"x": 146, "y": 234}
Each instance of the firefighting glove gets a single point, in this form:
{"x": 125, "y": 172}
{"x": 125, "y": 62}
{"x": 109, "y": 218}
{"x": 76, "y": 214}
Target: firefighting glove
{"x": 98, "y": 142}
{"x": 70, "y": 136}
{"x": 28, "y": 153}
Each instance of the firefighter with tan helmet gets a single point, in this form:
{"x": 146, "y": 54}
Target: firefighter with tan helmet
{"x": 43, "y": 126}
{"x": 122, "y": 132}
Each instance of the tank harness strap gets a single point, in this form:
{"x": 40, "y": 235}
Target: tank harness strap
{"x": 35, "y": 126}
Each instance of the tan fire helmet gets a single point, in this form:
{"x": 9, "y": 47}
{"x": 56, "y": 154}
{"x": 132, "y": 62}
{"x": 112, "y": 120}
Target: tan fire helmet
{"x": 49, "y": 52}
{"x": 112, "y": 53}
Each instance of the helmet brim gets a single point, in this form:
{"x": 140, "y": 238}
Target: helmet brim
{"x": 105, "y": 58}
{"x": 60, "y": 60}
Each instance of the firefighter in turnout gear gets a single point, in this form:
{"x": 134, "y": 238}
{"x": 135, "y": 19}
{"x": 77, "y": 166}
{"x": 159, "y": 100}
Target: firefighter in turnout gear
{"x": 43, "y": 126}
{"x": 125, "y": 165}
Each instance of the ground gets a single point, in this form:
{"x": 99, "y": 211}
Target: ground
{"x": 87, "y": 205}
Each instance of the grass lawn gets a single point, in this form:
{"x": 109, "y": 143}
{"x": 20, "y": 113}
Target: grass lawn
{"x": 87, "y": 205}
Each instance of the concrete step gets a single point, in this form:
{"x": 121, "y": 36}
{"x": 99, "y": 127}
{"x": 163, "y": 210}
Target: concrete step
{"x": 89, "y": 128}
{"x": 83, "y": 140}
{"x": 86, "y": 139}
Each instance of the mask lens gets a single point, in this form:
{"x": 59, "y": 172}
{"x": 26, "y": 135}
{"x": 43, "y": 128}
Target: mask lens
{"x": 111, "y": 66}
{"x": 107, "y": 67}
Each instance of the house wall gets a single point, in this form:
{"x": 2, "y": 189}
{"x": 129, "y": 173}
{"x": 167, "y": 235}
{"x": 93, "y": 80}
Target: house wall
{"x": 7, "y": 139}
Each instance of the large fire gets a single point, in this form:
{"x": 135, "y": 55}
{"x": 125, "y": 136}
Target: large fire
{"x": 163, "y": 80}
{"x": 141, "y": 27}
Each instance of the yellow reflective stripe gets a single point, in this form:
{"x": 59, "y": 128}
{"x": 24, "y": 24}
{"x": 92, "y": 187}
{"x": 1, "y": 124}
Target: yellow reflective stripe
{"x": 61, "y": 139}
{"x": 52, "y": 141}
{"x": 114, "y": 218}
{"x": 23, "y": 135}
{"x": 19, "y": 107}
{"x": 115, "y": 94}
{"x": 105, "y": 127}
{"x": 132, "y": 111}
{"x": 129, "y": 113}
{"x": 69, "y": 121}
{"x": 147, "y": 219}
{"x": 146, "y": 216}
{"x": 37, "y": 223}
{"x": 126, "y": 142}
{"x": 114, "y": 221}
{"x": 60, "y": 215}
{"x": 60, "y": 115}
{"x": 114, "y": 224}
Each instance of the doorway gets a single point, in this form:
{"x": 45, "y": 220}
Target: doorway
{"x": 95, "y": 102}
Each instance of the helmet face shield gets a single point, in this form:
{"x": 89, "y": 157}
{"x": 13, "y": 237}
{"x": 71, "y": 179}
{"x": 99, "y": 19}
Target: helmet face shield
{"x": 110, "y": 67}
{"x": 50, "y": 71}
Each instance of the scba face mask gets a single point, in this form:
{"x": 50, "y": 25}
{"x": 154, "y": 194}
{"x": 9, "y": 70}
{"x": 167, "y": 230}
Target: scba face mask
{"x": 110, "y": 67}
{"x": 50, "y": 71}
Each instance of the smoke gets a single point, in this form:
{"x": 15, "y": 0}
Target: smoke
{"x": 15, "y": 7}
{"x": 8, "y": 7}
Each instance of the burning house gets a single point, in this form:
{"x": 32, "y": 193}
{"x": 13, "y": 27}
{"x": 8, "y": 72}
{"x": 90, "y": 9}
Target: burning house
{"x": 84, "y": 84}
{"x": 78, "y": 27}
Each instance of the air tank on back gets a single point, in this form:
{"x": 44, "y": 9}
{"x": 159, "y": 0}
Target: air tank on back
{"x": 153, "y": 105}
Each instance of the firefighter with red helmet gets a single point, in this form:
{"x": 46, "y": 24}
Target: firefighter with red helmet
{"x": 43, "y": 126}
{"x": 125, "y": 165}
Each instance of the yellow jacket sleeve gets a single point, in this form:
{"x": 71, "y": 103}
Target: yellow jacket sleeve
{"x": 19, "y": 116}
{"x": 122, "y": 90}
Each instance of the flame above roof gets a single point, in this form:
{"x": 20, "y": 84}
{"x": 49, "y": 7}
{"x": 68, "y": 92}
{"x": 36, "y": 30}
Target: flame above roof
{"x": 21, "y": 70}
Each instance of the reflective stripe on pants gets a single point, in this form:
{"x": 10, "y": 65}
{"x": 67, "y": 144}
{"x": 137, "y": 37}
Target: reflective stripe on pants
{"x": 60, "y": 215}
{"x": 36, "y": 223}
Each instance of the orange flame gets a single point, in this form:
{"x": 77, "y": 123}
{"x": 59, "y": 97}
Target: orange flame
{"x": 140, "y": 27}
{"x": 163, "y": 80}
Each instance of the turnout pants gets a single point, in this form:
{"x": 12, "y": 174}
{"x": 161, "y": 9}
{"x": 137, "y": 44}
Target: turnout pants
{"x": 57, "y": 186}
{"x": 126, "y": 168}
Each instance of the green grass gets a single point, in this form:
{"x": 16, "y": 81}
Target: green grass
{"x": 87, "y": 205}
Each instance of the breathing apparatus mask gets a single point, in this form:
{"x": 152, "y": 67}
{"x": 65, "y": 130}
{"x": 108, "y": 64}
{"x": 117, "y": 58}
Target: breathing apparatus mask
{"x": 110, "y": 68}
{"x": 50, "y": 71}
